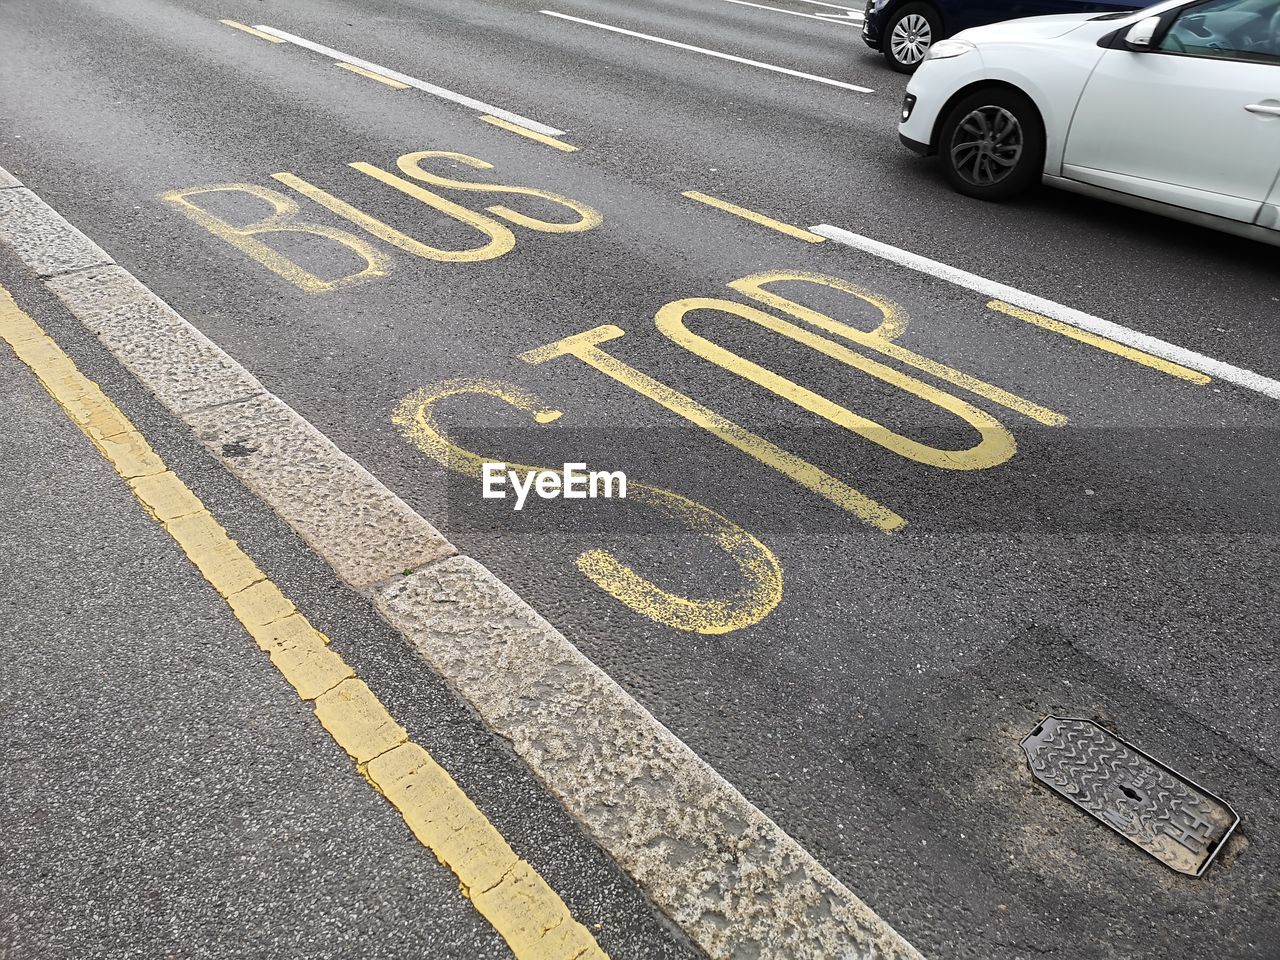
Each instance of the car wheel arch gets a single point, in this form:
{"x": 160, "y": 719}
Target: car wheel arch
{"x": 896, "y": 5}
{"x": 973, "y": 88}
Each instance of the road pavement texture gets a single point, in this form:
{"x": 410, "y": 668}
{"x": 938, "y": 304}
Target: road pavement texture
{"x": 166, "y": 791}
{"x": 1100, "y": 544}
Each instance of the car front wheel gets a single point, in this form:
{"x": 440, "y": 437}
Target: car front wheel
{"x": 908, "y": 35}
{"x": 992, "y": 144}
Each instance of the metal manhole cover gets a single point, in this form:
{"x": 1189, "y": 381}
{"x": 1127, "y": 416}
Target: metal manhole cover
{"x": 1173, "y": 819}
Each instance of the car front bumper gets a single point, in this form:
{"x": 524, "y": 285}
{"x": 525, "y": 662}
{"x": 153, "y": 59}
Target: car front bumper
{"x": 931, "y": 88}
{"x": 915, "y": 146}
{"x": 871, "y": 19}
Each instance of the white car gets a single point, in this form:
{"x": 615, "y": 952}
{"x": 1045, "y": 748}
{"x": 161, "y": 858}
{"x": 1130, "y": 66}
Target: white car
{"x": 1173, "y": 109}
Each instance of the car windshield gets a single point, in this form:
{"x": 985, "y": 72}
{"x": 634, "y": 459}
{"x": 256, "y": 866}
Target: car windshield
{"x": 1151, "y": 11}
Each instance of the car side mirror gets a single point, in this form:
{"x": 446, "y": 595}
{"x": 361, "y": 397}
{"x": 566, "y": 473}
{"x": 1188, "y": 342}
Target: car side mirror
{"x": 1141, "y": 33}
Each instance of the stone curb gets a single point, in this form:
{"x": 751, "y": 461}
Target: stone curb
{"x": 727, "y": 875}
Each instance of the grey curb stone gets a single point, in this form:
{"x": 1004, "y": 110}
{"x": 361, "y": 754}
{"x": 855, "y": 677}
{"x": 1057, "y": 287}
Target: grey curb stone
{"x": 364, "y": 531}
{"x": 7, "y": 179}
{"x": 45, "y": 242}
{"x": 178, "y": 363}
{"x": 727, "y": 874}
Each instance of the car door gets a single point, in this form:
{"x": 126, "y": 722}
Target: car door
{"x": 1195, "y": 119}
{"x": 1269, "y": 215}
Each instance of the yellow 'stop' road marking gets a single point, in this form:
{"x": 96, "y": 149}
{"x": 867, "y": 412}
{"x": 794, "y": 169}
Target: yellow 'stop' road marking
{"x": 531, "y": 134}
{"x": 585, "y": 346}
{"x": 364, "y": 73}
{"x": 754, "y": 217}
{"x": 250, "y": 30}
{"x": 506, "y": 890}
{"x": 1102, "y": 343}
{"x": 759, "y": 568}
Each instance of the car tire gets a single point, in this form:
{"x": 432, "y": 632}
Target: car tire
{"x": 991, "y": 144}
{"x": 908, "y": 35}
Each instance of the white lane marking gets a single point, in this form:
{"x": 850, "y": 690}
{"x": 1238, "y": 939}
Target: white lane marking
{"x": 404, "y": 78}
{"x": 1057, "y": 311}
{"x": 713, "y": 53}
{"x": 823, "y": 17}
{"x": 834, "y": 6}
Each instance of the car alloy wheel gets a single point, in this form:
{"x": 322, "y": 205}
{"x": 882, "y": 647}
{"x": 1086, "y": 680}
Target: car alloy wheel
{"x": 910, "y": 39}
{"x": 986, "y": 146}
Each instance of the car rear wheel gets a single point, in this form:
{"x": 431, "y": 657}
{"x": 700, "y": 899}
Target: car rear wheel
{"x": 908, "y": 35}
{"x": 992, "y": 144}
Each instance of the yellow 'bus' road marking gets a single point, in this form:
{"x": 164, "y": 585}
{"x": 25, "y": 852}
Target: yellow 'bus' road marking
{"x": 1102, "y": 343}
{"x": 506, "y": 890}
{"x": 396, "y": 84}
{"x": 760, "y": 218}
{"x": 531, "y": 134}
{"x": 251, "y": 31}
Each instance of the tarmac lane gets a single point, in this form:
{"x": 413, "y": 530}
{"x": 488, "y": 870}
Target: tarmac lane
{"x": 880, "y": 523}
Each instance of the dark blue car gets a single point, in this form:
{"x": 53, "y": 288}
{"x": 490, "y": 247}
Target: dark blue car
{"x": 903, "y": 29}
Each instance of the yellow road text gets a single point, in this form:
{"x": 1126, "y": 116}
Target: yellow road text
{"x": 760, "y": 570}
{"x": 285, "y": 218}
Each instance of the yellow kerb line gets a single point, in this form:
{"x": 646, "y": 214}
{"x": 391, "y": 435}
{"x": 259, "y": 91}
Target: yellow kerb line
{"x": 371, "y": 75}
{"x": 506, "y": 890}
{"x": 1102, "y": 343}
{"x": 252, "y": 32}
{"x": 754, "y": 217}
{"x": 531, "y": 134}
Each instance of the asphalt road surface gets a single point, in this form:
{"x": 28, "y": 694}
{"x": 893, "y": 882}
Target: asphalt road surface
{"x": 166, "y": 793}
{"x": 1038, "y": 526}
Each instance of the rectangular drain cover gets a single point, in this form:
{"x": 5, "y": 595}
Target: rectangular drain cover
{"x": 1171, "y": 818}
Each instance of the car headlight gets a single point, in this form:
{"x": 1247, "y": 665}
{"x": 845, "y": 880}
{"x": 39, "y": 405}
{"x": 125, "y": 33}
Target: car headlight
{"x": 945, "y": 49}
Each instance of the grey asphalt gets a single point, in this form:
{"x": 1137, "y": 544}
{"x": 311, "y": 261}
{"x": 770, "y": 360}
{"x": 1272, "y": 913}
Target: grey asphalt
{"x": 165, "y": 792}
{"x": 1122, "y": 567}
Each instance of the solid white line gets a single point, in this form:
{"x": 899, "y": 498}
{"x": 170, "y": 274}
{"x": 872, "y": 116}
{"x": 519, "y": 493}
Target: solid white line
{"x": 404, "y": 78}
{"x": 713, "y": 53}
{"x": 1057, "y": 311}
{"x": 822, "y": 17}
{"x": 834, "y": 6}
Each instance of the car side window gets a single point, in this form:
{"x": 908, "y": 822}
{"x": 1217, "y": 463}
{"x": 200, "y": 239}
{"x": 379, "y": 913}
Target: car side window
{"x": 1245, "y": 30}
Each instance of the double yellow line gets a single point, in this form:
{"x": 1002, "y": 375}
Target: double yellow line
{"x": 507, "y": 891}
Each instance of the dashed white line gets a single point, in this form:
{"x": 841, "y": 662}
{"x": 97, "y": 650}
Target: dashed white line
{"x": 1057, "y": 311}
{"x": 712, "y": 53}
{"x": 835, "y": 18}
{"x": 414, "y": 82}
